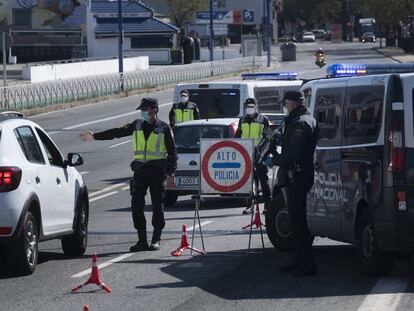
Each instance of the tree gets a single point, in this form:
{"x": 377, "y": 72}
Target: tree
{"x": 182, "y": 11}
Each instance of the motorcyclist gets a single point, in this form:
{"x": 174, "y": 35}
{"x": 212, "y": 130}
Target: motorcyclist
{"x": 320, "y": 58}
{"x": 320, "y": 53}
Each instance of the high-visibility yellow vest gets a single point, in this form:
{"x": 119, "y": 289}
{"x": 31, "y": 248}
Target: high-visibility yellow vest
{"x": 253, "y": 130}
{"x": 154, "y": 148}
{"x": 183, "y": 115}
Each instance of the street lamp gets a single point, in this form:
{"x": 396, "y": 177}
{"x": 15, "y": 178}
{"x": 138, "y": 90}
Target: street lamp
{"x": 120, "y": 42}
{"x": 211, "y": 33}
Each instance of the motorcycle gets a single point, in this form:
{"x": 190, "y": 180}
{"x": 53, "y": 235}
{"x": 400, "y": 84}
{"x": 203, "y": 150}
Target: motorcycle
{"x": 320, "y": 60}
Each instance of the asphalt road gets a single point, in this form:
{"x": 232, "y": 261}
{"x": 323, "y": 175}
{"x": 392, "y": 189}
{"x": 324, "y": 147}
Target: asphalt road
{"x": 228, "y": 278}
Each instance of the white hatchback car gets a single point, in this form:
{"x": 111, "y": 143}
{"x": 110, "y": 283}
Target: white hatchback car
{"x": 42, "y": 195}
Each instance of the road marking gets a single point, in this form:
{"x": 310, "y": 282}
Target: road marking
{"x": 84, "y": 173}
{"x": 107, "y": 189}
{"x": 385, "y": 295}
{"x": 202, "y": 224}
{"x": 104, "y": 264}
{"x": 102, "y": 120}
{"x": 103, "y": 196}
{"x": 125, "y": 188}
{"x": 123, "y": 143}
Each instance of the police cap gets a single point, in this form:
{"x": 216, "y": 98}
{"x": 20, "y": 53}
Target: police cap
{"x": 294, "y": 96}
{"x": 185, "y": 92}
{"x": 148, "y": 102}
{"x": 250, "y": 102}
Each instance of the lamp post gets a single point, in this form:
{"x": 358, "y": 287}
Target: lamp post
{"x": 211, "y": 32}
{"x": 269, "y": 34}
{"x": 120, "y": 43}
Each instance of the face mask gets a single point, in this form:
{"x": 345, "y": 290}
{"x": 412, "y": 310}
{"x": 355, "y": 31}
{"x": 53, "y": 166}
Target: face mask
{"x": 145, "y": 115}
{"x": 184, "y": 99}
{"x": 250, "y": 111}
{"x": 285, "y": 111}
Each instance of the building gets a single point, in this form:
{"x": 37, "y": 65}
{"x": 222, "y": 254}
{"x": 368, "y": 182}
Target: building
{"x": 143, "y": 33}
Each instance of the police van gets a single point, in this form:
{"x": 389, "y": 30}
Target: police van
{"x": 225, "y": 99}
{"x": 363, "y": 190}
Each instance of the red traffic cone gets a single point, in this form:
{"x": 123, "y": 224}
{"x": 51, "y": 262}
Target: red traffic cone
{"x": 94, "y": 278}
{"x": 85, "y": 308}
{"x": 185, "y": 245}
{"x": 256, "y": 221}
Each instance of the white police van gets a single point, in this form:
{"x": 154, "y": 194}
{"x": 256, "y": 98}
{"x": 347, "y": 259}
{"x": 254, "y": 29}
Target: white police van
{"x": 364, "y": 164}
{"x": 225, "y": 99}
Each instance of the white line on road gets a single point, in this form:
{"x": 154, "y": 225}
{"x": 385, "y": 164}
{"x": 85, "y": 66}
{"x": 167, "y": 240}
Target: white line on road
{"x": 385, "y": 295}
{"x": 103, "y": 196}
{"x": 84, "y": 173}
{"x": 125, "y": 188}
{"x": 123, "y": 143}
{"x": 202, "y": 224}
{"x": 103, "y": 265}
{"x": 102, "y": 120}
{"x": 107, "y": 189}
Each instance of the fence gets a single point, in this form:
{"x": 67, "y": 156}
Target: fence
{"x": 58, "y": 92}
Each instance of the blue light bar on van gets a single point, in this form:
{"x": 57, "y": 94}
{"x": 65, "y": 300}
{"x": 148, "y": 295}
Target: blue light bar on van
{"x": 270, "y": 76}
{"x": 349, "y": 70}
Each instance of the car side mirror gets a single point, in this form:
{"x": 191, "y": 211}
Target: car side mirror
{"x": 74, "y": 159}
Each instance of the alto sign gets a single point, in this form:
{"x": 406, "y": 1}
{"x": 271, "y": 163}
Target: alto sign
{"x": 226, "y": 166}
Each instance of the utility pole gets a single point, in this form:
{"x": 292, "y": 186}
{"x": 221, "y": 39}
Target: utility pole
{"x": 269, "y": 34}
{"x": 211, "y": 37}
{"x": 120, "y": 43}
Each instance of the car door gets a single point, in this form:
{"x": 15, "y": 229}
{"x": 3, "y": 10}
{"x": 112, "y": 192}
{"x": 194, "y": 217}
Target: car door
{"x": 324, "y": 200}
{"x": 62, "y": 183}
{"x": 38, "y": 178}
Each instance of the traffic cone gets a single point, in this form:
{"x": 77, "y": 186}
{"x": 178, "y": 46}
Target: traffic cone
{"x": 85, "y": 308}
{"x": 94, "y": 278}
{"x": 256, "y": 221}
{"x": 185, "y": 245}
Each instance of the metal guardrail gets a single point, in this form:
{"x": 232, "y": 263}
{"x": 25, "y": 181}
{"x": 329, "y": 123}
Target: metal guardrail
{"x": 43, "y": 94}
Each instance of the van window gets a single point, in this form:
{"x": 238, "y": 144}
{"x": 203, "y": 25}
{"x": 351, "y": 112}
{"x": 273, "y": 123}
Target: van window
{"x": 216, "y": 103}
{"x": 328, "y": 114}
{"x": 268, "y": 99}
{"x": 187, "y": 138}
{"x": 363, "y": 109}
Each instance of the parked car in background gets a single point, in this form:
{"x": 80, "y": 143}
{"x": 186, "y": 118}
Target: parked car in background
{"x": 42, "y": 195}
{"x": 368, "y": 37}
{"x": 319, "y": 33}
{"x": 308, "y": 36}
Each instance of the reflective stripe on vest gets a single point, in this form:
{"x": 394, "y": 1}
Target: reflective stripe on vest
{"x": 182, "y": 115}
{"x": 253, "y": 130}
{"x": 154, "y": 148}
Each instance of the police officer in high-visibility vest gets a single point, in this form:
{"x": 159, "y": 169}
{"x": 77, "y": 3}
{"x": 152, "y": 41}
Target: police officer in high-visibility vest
{"x": 252, "y": 126}
{"x": 155, "y": 158}
{"x": 184, "y": 110}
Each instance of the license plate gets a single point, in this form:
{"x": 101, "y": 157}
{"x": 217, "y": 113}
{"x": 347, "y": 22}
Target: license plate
{"x": 187, "y": 181}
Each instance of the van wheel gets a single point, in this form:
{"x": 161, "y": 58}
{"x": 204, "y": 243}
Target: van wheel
{"x": 374, "y": 262}
{"x": 25, "y": 251}
{"x": 75, "y": 244}
{"x": 278, "y": 225}
{"x": 170, "y": 198}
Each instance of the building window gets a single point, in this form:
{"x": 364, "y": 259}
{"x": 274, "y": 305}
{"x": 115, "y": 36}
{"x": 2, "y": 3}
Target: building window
{"x": 151, "y": 42}
{"x": 22, "y": 18}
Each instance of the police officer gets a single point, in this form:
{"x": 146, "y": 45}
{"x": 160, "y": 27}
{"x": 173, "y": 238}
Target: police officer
{"x": 296, "y": 174}
{"x": 184, "y": 110}
{"x": 155, "y": 156}
{"x": 252, "y": 126}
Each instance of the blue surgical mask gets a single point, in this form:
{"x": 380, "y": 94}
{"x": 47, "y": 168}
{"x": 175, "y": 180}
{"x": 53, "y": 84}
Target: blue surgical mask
{"x": 145, "y": 115}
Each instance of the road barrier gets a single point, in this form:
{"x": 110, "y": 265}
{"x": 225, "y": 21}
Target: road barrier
{"x": 35, "y": 95}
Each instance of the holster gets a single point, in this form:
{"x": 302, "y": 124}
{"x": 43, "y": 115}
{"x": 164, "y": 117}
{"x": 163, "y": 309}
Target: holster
{"x": 132, "y": 187}
{"x": 136, "y": 165}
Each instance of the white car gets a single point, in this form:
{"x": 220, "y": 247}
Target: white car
{"x": 42, "y": 195}
{"x": 308, "y": 36}
{"x": 187, "y": 137}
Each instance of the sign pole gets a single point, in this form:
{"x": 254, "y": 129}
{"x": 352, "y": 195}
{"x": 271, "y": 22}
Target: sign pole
{"x": 3, "y": 38}
{"x": 120, "y": 43}
{"x": 211, "y": 38}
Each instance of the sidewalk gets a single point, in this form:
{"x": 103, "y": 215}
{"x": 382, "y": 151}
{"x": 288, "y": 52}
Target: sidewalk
{"x": 396, "y": 54}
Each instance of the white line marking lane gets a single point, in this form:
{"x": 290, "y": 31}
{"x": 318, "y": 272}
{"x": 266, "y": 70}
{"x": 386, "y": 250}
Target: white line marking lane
{"x": 107, "y": 189}
{"x": 385, "y": 295}
{"x": 122, "y": 257}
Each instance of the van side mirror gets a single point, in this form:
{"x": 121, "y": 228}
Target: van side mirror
{"x": 74, "y": 159}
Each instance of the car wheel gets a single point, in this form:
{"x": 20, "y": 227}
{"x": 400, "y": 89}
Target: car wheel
{"x": 25, "y": 251}
{"x": 75, "y": 244}
{"x": 278, "y": 225}
{"x": 170, "y": 198}
{"x": 374, "y": 262}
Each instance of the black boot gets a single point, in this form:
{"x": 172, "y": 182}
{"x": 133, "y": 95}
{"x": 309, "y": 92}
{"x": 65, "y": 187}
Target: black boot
{"x": 142, "y": 244}
{"x": 266, "y": 205}
{"x": 293, "y": 264}
{"x": 308, "y": 266}
{"x": 155, "y": 242}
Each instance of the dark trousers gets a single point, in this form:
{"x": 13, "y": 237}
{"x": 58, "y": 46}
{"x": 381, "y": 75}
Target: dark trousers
{"x": 260, "y": 174}
{"x": 296, "y": 203}
{"x": 152, "y": 178}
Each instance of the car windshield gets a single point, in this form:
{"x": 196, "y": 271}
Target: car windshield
{"x": 308, "y": 33}
{"x": 216, "y": 103}
{"x": 187, "y": 138}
